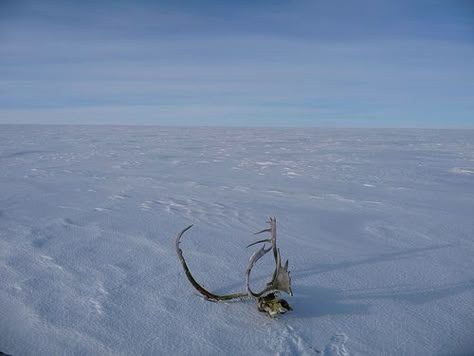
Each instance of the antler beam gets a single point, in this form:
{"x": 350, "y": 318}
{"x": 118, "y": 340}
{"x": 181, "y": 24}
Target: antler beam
{"x": 267, "y": 300}
{"x": 195, "y": 284}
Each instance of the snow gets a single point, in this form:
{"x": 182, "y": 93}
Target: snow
{"x": 377, "y": 226}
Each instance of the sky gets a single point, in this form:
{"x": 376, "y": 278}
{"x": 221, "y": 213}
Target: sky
{"x": 333, "y": 63}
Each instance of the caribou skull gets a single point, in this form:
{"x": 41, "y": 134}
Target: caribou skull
{"x": 267, "y": 299}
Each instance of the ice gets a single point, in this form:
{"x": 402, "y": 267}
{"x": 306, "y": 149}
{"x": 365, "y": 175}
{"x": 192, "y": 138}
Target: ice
{"x": 377, "y": 226}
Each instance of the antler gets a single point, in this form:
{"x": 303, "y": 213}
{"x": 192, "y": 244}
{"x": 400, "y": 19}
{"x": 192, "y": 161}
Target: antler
{"x": 281, "y": 280}
{"x": 199, "y": 288}
{"x": 266, "y": 299}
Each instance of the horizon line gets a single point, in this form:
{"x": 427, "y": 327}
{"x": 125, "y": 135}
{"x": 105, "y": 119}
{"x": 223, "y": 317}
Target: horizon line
{"x": 248, "y": 127}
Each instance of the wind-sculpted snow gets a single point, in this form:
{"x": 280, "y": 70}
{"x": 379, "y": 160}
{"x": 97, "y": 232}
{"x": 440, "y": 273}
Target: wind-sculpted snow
{"x": 377, "y": 226}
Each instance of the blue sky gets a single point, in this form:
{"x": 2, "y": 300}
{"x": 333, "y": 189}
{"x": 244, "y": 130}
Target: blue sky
{"x": 334, "y": 63}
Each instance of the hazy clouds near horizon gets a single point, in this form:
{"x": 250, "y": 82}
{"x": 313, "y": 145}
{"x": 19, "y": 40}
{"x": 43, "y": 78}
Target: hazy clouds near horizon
{"x": 309, "y": 63}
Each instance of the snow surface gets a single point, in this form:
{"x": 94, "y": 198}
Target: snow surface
{"x": 377, "y": 225}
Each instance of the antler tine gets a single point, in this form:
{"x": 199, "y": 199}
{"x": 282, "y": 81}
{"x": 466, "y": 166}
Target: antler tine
{"x": 265, "y": 240}
{"x": 253, "y": 259}
{"x": 270, "y": 229}
{"x": 194, "y": 283}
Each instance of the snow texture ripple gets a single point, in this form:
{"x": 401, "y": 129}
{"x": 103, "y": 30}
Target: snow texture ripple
{"x": 377, "y": 226}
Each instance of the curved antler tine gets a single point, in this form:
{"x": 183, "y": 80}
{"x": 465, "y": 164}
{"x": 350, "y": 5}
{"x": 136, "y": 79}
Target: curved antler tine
{"x": 178, "y": 238}
{"x": 265, "y": 240}
{"x": 252, "y": 260}
{"x": 194, "y": 283}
